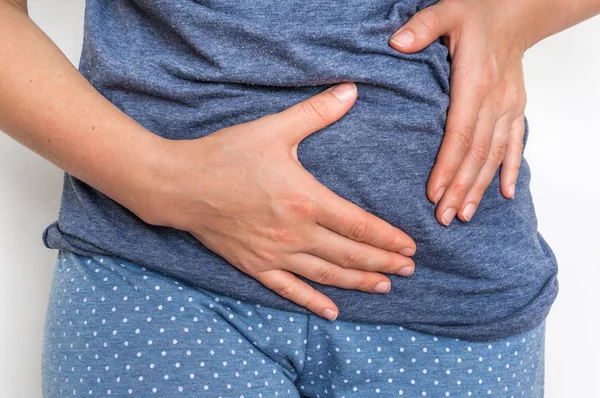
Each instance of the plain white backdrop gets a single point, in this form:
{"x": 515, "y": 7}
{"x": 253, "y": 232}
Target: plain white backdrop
{"x": 563, "y": 85}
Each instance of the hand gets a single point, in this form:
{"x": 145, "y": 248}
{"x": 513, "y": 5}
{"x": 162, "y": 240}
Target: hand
{"x": 242, "y": 192}
{"x": 485, "y": 124}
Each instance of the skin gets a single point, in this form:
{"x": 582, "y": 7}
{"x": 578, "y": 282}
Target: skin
{"x": 261, "y": 223}
{"x": 486, "y": 40}
{"x": 270, "y": 217}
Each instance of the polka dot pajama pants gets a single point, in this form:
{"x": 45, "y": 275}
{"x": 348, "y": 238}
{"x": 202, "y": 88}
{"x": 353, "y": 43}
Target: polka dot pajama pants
{"x": 116, "y": 328}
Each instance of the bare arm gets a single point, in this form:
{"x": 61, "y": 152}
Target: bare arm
{"x": 48, "y": 106}
{"x": 270, "y": 217}
{"x": 548, "y": 17}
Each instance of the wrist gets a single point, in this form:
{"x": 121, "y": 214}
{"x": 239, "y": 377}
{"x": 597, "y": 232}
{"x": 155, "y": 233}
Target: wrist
{"x": 172, "y": 175}
{"x": 521, "y": 21}
{"x": 152, "y": 181}
{"x": 540, "y": 19}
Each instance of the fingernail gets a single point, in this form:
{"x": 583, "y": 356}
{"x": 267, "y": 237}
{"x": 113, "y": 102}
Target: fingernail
{"x": 329, "y": 314}
{"x": 406, "y": 271}
{"x": 382, "y": 287}
{"x": 407, "y": 251}
{"x": 468, "y": 211}
{"x": 344, "y": 91}
{"x": 439, "y": 194}
{"x": 403, "y": 38}
{"x": 448, "y": 215}
{"x": 511, "y": 190}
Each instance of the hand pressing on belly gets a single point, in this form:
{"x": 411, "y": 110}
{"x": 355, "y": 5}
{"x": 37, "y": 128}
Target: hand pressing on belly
{"x": 242, "y": 192}
{"x": 485, "y": 124}
{"x": 486, "y": 40}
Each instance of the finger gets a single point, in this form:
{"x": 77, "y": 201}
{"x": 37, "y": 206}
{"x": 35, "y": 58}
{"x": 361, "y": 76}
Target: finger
{"x": 348, "y": 253}
{"x": 287, "y": 285}
{"x": 311, "y": 115}
{"x": 426, "y": 26}
{"x": 466, "y": 97}
{"x": 350, "y": 220}
{"x": 497, "y": 154}
{"x": 509, "y": 171}
{"x": 470, "y": 167}
{"x": 326, "y": 273}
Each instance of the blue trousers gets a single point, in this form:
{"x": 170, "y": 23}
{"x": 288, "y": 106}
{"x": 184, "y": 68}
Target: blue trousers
{"x": 116, "y": 328}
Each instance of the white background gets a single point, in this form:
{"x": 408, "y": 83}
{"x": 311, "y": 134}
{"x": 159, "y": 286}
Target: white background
{"x": 563, "y": 85}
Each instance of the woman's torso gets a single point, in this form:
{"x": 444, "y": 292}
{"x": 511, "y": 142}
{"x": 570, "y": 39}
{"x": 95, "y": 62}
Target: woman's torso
{"x": 186, "y": 69}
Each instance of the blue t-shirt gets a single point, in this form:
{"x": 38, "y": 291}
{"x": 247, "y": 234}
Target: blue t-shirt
{"x": 184, "y": 69}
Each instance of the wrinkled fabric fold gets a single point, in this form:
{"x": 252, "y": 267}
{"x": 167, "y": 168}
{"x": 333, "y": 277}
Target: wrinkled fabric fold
{"x": 189, "y": 68}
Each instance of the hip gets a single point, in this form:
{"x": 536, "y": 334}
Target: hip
{"x": 116, "y": 327}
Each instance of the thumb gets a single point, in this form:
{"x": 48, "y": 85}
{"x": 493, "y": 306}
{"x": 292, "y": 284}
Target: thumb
{"x": 316, "y": 112}
{"x": 425, "y": 27}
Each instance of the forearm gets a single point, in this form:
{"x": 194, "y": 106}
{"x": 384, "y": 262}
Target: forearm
{"x": 48, "y": 106}
{"x": 547, "y": 17}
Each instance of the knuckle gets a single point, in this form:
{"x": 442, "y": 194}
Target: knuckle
{"x": 392, "y": 266}
{"x": 430, "y": 18}
{"x": 326, "y": 275}
{"x": 479, "y": 152}
{"x": 281, "y": 235}
{"x": 395, "y": 241}
{"x": 364, "y": 283}
{"x": 315, "y": 109}
{"x": 460, "y": 189}
{"x": 388, "y": 263}
{"x": 359, "y": 230}
{"x": 301, "y": 205}
{"x": 267, "y": 255}
{"x": 497, "y": 153}
{"x": 514, "y": 168}
{"x": 351, "y": 258}
{"x": 464, "y": 136}
{"x": 481, "y": 87}
{"x": 446, "y": 172}
{"x": 284, "y": 289}
{"x": 484, "y": 82}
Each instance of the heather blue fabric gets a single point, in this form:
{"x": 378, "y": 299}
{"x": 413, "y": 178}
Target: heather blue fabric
{"x": 116, "y": 328}
{"x": 185, "y": 69}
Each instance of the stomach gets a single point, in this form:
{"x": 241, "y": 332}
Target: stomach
{"x": 188, "y": 70}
